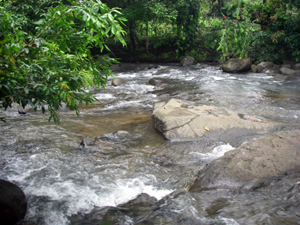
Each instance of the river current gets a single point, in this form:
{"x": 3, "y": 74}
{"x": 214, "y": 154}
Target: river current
{"x": 62, "y": 180}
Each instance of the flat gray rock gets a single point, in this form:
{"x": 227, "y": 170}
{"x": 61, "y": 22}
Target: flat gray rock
{"x": 176, "y": 120}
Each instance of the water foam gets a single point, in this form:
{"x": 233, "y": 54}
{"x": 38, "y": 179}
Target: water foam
{"x": 217, "y": 152}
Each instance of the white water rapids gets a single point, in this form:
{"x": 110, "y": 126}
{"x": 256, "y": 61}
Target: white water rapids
{"x": 60, "y": 179}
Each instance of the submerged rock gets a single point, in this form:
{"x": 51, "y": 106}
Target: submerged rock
{"x": 155, "y": 81}
{"x": 161, "y": 86}
{"x": 13, "y": 204}
{"x": 236, "y": 65}
{"x": 176, "y": 120}
{"x": 162, "y": 71}
{"x": 146, "y": 210}
{"x": 121, "y": 134}
{"x": 132, "y": 212}
{"x": 254, "y": 164}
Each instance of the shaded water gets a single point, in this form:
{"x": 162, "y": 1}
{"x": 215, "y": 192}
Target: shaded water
{"x": 61, "y": 180}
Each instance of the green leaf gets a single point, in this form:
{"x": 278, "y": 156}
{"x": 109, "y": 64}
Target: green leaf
{"x": 37, "y": 42}
{"x": 113, "y": 29}
{"x": 111, "y": 18}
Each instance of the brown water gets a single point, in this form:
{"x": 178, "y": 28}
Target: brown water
{"x": 61, "y": 179}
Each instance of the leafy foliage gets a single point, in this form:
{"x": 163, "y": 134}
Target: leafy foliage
{"x": 45, "y": 52}
{"x": 263, "y": 30}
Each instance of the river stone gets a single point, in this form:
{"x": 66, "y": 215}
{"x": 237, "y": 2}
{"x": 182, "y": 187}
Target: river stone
{"x": 296, "y": 66}
{"x": 121, "y": 134}
{"x": 145, "y": 210}
{"x": 162, "y": 71}
{"x": 118, "y": 81}
{"x": 154, "y": 81}
{"x": 143, "y": 202}
{"x": 176, "y": 120}
{"x": 254, "y": 68}
{"x": 272, "y": 72}
{"x": 260, "y": 68}
{"x": 161, "y": 86}
{"x": 254, "y": 164}
{"x": 188, "y": 61}
{"x": 287, "y": 71}
{"x": 266, "y": 65}
{"x": 280, "y": 77}
{"x": 269, "y": 67}
{"x": 13, "y": 204}
{"x": 236, "y": 65}
{"x": 132, "y": 212}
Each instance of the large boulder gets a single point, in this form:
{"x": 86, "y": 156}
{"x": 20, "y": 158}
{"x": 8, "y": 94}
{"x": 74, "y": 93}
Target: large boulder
{"x": 254, "y": 164}
{"x": 176, "y": 120}
{"x": 13, "y": 204}
{"x": 236, "y": 65}
{"x": 188, "y": 61}
{"x": 118, "y": 81}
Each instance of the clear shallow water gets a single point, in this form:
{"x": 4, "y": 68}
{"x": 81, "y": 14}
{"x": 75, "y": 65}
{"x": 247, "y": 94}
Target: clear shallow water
{"x": 60, "y": 179}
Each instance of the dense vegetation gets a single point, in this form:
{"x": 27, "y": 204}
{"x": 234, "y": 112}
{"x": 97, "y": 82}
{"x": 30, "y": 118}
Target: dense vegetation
{"x": 51, "y": 51}
{"x": 161, "y": 30}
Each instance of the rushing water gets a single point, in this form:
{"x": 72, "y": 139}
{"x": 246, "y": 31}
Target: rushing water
{"x": 61, "y": 180}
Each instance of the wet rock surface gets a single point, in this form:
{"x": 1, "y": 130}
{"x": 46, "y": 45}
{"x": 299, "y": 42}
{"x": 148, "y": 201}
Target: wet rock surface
{"x": 188, "y": 61}
{"x": 287, "y": 71}
{"x": 236, "y": 65}
{"x": 109, "y": 145}
{"x": 118, "y": 81}
{"x": 155, "y": 81}
{"x": 254, "y": 68}
{"x": 177, "y": 120}
{"x": 253, "y": 165}
{"x": 146, "y": 210}
{"x": 13, "y": 203}
{"x": 266, "y": 65}
{"x": 280, "y": 72}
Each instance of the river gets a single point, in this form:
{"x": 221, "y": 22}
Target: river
{"x": 62, "y": 180}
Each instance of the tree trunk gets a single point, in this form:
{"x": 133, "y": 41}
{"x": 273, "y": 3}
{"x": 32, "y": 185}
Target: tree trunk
{"x": 147, "y": 37}
{"x": 134, "y": 41}
{"x": 262, "y": 27}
